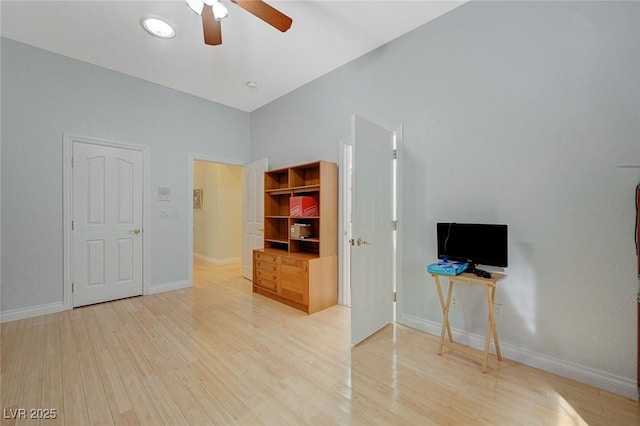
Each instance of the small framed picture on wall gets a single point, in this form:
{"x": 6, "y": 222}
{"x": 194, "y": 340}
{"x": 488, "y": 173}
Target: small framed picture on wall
{"x": 197, "y": 198}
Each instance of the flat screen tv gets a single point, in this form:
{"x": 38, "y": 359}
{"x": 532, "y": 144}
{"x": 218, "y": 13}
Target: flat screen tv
{"x": 474, "y": 243}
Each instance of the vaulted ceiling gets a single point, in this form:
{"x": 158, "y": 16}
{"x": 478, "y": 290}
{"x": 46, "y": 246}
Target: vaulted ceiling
{"x": 324, "y": 35}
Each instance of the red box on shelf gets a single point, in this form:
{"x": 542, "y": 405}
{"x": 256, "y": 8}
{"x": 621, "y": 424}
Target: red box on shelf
{"x": 303, "y": 207}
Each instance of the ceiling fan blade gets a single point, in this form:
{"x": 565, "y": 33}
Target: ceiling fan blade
{"x": 212, "y": 28}
{"x": 267, "y": 13}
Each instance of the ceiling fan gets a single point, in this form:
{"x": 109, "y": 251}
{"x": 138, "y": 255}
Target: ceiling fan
{"x": 213, "y": 11}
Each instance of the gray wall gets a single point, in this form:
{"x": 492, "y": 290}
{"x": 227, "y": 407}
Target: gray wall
{"x": 513, "y": 113}
{"x": 44, "y": 95}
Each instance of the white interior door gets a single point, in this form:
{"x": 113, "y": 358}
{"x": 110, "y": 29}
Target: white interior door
{"x": 107, "y": 218}
{"x": 253, "y": 213}
{"x": 372, "y": 229}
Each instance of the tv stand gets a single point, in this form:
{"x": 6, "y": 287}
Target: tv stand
{"x": 490, "y": 286}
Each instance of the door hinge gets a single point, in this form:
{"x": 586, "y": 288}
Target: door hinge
{"x": 73, "y": 225}
{"x": 395, "y": 154}
{"x": 73, "y": 285}
{"x": 395, "y": 225}
{"x": 395, "y": 296}
{"x": 72, "y": 161}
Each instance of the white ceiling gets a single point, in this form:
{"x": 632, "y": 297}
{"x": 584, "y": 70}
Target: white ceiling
{"x": 324, "y": 35}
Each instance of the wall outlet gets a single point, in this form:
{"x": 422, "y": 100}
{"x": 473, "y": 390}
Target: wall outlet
{"x": 454, "y": 301}
{"x": 497, "y": 310}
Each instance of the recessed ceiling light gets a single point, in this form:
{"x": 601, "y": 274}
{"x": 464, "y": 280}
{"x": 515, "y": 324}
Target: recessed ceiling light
{"x": 158, "y": 27}
{"x": 252, "y": 84}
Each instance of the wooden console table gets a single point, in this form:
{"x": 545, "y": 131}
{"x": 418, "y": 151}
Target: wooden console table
{"x": 490, "y": 286}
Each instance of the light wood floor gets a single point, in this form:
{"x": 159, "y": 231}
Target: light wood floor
{"x": 217, "y": 354}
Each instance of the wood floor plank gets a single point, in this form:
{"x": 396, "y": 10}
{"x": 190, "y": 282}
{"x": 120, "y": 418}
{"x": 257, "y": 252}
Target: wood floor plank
{"x": 74, "y": 409}
{"x": 218, "y": 354}
{"x": 144, "y": 408}
{"x": 94, "y": 390}
{"x": 211, "y": 406}
{"x": 169, "y": 411}
{"x": 184, "y": 400}
{"x": 128, "y": 418}
{"x": 229, "y": 400}
{"x": 139, "y": 350}
{"x": 52, "y": 397}
{"x": 13, "y": 364}
{"x": 116, "y": 395}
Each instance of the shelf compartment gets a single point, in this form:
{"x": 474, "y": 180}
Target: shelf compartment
{"x": 305, "y": 175}
{"x": 313, "y": 222}
{"x": 276, "y": 229}
{"x": 276, "y": 245}
{"x": 311, "y": 247}
{"x": 276, "y": 179}
{"x": 276, "y": 204}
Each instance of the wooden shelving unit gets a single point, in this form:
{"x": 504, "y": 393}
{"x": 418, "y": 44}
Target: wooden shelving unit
{"x": 301, "y": 272}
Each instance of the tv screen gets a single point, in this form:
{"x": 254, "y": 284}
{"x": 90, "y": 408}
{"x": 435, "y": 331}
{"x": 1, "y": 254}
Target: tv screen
{"x": 473, "y": 243}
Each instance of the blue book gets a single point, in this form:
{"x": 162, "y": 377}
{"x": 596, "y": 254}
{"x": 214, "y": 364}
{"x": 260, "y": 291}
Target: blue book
{"x": 447, "y": 268}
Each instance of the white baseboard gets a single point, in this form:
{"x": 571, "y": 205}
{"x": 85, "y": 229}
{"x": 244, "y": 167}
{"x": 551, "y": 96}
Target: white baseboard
{"x": 218, "y": 261}
{"x": 52, "y": 308}
{"x": 600, "y": 379}
{"x": 31, "y": 311}
{"x": 161, "y": 288}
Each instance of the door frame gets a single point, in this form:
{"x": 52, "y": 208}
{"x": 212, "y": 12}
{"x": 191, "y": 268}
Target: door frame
{"x": 398, "y": 132}
{"x": 67, "y": 209}
{"x": 344, "y": 293}
{"x": 344, "y": 253}
{"x": 212, "y": 159}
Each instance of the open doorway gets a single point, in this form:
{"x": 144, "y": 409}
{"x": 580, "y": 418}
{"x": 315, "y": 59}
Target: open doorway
{"x": 216, "y": 218}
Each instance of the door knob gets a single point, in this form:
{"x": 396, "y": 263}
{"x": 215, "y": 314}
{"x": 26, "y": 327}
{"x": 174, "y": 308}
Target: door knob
{"x": 361, "y": 242}
{"x": 135, "y": 231}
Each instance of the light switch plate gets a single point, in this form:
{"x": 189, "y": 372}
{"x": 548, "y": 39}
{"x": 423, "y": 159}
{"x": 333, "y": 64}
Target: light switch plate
{"x": 164, "y": 193}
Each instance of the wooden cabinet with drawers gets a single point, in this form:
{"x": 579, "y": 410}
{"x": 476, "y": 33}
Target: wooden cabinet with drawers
{"x": 300, "y": 270}
{"x": 266, "y": 271}
{"x": 306, "y": 282}
{"x": 294, "y": 279}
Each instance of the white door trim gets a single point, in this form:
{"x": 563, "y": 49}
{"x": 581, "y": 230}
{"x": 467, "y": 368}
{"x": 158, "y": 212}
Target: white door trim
{"x": 344, "y": 250}
{"x": 67, "y": 210}
{"x": 397, "y": 129}
{"x": 199, "y": 157}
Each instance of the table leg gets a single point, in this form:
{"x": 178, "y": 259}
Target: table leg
{"x": 490, "y": 327}
{"x": 445, "y": 313}
{"x": 448, "y": 306}
{"x": 494, "y": 328}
